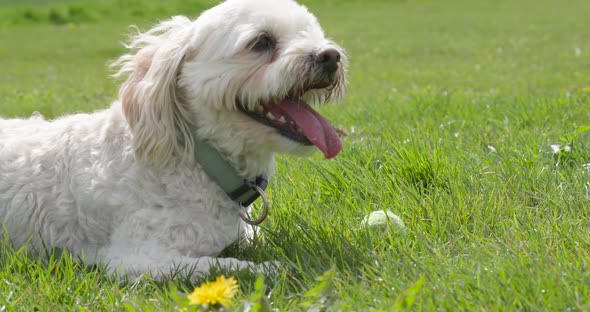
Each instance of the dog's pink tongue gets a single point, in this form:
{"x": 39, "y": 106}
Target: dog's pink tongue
{"x": 315, "y": 127}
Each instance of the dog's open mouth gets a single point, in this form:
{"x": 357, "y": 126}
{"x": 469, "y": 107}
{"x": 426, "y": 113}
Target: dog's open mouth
{"x": 299, "y": 122}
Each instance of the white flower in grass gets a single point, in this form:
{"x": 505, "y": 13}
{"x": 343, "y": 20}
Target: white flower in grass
{"x": 384, "y": 221}
{"x": 558, "y": 149}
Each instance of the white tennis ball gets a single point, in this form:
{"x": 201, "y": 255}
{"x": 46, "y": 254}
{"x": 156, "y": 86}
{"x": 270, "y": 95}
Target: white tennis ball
{"x": 384, "y": 221}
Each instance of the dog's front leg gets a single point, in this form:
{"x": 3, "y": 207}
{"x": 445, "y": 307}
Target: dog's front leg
{"x": 162, "y": 243}
{"x": 167, "y": 266}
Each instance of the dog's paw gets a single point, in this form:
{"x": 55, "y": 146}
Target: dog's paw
{"x": 268, "y": 268}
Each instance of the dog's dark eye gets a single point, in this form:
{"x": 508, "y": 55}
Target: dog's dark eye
{"x": 264, "y": 42}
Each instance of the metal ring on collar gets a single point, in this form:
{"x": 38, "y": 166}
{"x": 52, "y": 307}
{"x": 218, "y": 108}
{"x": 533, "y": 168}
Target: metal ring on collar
{"x": 244, "y": 214}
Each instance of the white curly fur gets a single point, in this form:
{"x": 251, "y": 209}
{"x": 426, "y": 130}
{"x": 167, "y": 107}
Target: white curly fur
{"x": 120, "y": 186}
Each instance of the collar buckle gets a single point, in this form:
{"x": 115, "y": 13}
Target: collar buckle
{"x": 249, "y": 191}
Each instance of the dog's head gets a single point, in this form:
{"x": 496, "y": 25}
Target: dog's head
{"x": 244, "y": 73}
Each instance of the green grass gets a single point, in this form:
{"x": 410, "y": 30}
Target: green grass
{"x": 452, "y": 110}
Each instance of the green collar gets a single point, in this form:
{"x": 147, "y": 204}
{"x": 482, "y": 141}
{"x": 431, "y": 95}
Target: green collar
{"x": 243, "y": 191}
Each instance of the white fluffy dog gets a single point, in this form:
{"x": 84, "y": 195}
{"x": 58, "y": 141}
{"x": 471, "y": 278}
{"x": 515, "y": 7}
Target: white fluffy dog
{"x": 125, "y": 186}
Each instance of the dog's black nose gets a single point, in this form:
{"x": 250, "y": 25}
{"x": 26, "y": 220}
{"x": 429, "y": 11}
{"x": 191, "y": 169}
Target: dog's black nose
{"x": 328, "y": 59}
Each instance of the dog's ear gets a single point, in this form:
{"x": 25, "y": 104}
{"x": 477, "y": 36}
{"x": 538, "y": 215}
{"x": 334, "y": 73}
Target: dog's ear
{"x": 149, "y": 96}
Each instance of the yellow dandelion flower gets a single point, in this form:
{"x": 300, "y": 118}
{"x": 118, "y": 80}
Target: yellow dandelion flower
{"x": 218, "y": 292}
{"x": 586, "y": 90}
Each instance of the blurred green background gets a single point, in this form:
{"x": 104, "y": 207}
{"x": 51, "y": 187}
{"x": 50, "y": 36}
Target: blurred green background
{"x": 396, "y": 47}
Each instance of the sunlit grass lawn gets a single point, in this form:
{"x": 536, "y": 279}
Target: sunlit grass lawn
{"x": 452, "y": 110}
